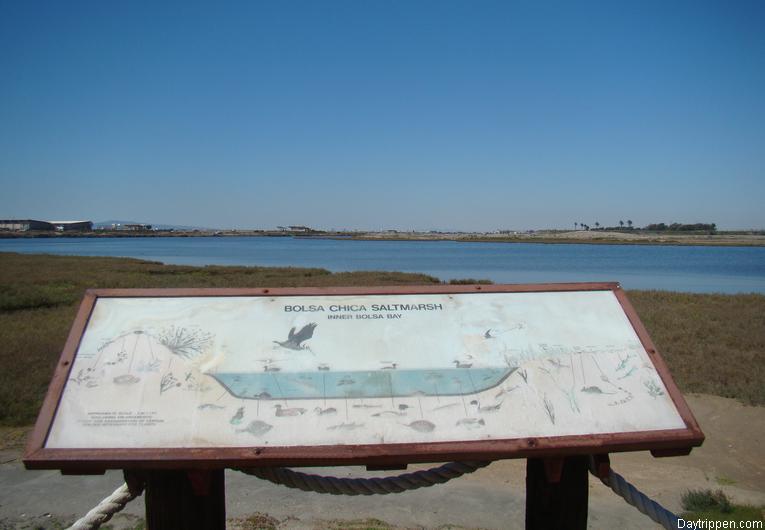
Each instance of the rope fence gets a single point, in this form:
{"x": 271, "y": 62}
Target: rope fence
{"x": 115, "y": 502}
{"x": 105, "y": 509}
{"x": 365, "y": 486}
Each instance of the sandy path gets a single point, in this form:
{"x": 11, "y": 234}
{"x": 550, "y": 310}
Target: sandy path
{"x": 732, "y": 459}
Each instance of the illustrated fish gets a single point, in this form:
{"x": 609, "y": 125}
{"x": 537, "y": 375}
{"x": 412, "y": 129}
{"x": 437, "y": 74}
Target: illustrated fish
{"x": 403, "y": 406}
{"x": 345, "y": 426}
{"x": 594, "y": 390}
{"x": 421, "y": 426}
{"x": 388, "y": 413}
{"x": 236, "y": 419}
{"x": 447, "y": 406}
{"x": 256, "y": 428}
{"x": 210, "y": 406}
{"x": 503, "y": 391}
{"x": 325, "y": 412}
{"x": 127, "y": 379}
{"x": 365, "y": 406}
{"x": 471, "y": 423}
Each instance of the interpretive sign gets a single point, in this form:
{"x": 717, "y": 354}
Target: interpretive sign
{"x": 331, "y": 376}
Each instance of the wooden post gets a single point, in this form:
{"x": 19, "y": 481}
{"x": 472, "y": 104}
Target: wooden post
{"x": 556, "y": 493}
{"x": 185, "y": 500}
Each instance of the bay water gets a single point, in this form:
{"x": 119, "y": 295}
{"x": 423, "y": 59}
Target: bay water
{"x": 677, "y": 268}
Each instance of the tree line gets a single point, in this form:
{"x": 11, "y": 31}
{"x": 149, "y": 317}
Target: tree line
{"x": 710, "y": 228}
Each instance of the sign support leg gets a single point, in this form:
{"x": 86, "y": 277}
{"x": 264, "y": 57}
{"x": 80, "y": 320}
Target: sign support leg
{"x": 557, "y": 493}
{"x": 185, "y": 500}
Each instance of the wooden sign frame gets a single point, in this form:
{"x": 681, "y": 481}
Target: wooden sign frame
{"x": 660, "y": 442}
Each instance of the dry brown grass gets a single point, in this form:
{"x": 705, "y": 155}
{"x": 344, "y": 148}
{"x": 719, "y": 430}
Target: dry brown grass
{"x": 713, "y": 343}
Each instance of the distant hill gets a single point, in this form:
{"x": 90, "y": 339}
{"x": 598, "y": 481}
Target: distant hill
{"x": 158, "y": 226}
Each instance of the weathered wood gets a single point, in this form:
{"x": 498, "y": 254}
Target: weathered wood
{"x": 555, "y": 505}
{"x": 178, "y": 500}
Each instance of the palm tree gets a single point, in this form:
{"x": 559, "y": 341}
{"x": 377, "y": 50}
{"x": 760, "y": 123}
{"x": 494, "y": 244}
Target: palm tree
{"x": 597, "y": 224}
{"x": 621, "y": 224}
{"x": 629, "y": 223}
{"x": 575, "y": 225}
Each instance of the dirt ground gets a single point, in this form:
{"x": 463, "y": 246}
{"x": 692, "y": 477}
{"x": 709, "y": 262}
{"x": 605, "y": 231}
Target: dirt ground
{"x": 732, "y": 459}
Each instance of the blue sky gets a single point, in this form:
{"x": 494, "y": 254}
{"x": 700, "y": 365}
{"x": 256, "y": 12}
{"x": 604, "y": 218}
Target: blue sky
{"x": 408, "y": 115}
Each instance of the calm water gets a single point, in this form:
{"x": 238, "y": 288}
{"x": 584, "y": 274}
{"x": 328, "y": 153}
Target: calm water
{"x": 695, "y": 269}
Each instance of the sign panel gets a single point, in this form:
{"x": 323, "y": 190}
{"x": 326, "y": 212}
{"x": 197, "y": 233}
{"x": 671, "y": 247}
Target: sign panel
{"x": 315, "y": 375}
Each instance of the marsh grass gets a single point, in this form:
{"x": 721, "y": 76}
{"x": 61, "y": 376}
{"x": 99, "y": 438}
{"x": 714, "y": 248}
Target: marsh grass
{"x": 708, "y": 505}
{"x": 712, "y": 343}
{"x": 699, "y": 500}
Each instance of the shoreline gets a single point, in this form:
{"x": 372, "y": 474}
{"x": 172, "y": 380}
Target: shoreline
{"x": 547, "y": 238}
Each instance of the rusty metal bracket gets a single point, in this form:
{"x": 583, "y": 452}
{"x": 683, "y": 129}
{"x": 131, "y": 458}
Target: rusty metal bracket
{"x": 135, "y": 480}
{"x": 600, "y": 465}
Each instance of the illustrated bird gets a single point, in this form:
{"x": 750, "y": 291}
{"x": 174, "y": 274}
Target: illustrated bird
{"x": 487, "y": 408}
{"x": 459, "y": 364}
{"x": 488, "y": 334}
{"x": 295, "y": 340}
{"x": 295, "y": 411}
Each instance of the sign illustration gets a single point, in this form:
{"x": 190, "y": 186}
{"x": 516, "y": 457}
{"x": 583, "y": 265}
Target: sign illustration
{"x": 319, "y": 370}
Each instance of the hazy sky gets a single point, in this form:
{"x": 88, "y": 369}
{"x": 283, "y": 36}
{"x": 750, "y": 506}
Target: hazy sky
{"x": 445, "y": 115}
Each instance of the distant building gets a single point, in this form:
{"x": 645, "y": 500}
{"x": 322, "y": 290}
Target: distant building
{"x": 130, "y": 227}
{"x": 72, "y": 226}
{"x": 300, "y": 229}
{"x": 22, "y": 225}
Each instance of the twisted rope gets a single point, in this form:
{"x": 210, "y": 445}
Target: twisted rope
{"x": 365, "y": 486}
{"x": 105, "y": 509}
{"x": 658, "y": 513}
{"x": 379, "y": 486}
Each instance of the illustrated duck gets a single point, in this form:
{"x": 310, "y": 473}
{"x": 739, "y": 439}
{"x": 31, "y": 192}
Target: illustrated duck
{"x": 487, "y": 408}
{"x": 294, "y": 411}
